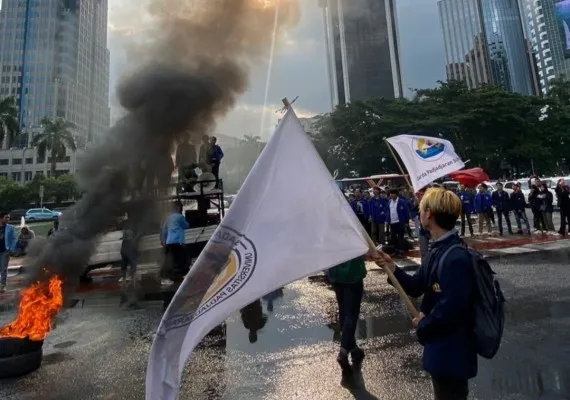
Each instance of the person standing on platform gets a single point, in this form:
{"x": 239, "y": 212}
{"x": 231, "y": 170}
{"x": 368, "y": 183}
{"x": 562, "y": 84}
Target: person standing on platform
{"x": 216, "y": 157}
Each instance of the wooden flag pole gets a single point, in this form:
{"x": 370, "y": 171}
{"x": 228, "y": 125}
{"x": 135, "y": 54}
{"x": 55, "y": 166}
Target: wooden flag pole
{"x": 406, "y": 177}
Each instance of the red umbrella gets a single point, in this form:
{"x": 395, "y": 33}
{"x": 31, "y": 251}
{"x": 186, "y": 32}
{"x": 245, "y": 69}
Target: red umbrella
{"x": 470, "y": 177}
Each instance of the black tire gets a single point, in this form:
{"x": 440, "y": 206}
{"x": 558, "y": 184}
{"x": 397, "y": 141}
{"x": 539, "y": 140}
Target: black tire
{"x": 13, "y": 367}
{"x": 15, "y": 347}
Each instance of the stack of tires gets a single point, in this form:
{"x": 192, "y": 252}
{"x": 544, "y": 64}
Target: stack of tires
{"x": 19, "y": 356}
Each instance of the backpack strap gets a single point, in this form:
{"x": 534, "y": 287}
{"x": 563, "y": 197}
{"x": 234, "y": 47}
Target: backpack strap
{"x": 436, "y": 269}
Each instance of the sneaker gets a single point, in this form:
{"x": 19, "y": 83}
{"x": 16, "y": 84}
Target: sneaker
{"x": 342, "y": 360}
{"x": 357, "y": 356}
{"x": 2, "y": 288}
{"x": 520, "y": 232}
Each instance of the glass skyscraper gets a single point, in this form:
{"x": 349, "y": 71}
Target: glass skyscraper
{"x": 485, "y": 44}
{"x": 55, "y": 62}
{"x": 362, "y": 49}
{"x": 547, "y": 24}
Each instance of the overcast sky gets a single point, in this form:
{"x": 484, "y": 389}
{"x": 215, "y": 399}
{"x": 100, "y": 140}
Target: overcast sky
{"x": 299, "y": 67}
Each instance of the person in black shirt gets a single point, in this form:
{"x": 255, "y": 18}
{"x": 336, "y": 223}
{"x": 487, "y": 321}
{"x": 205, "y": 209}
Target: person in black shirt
{"x": 564, "y": 199}
{"x": 502, "y": 204}
{"x": 518, "y": 204}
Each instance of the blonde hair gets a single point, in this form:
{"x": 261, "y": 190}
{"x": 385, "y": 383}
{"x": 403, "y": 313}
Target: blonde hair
{"x": 443, "y": 204}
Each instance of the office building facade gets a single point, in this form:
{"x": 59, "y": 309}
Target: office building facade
{"x": 547, "y": 25}
{"x": 485, "y": 44}
{"x": 363, "y": 59}
{"x": 55, "y": 62}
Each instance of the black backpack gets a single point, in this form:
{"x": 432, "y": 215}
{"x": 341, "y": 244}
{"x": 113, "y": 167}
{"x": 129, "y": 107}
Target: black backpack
{"x": 489, "y": 305}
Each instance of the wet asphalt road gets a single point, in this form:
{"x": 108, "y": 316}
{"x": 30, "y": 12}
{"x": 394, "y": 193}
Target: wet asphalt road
{"x": 99, "y": 348}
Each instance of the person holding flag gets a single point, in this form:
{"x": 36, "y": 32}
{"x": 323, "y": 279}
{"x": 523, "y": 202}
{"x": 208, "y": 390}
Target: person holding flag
{"x": 444, "y": 326}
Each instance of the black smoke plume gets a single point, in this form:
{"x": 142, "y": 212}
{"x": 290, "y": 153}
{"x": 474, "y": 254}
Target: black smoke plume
{"x": 189, "y": 72}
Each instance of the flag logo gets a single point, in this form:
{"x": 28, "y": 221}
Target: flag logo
{"x": 238, "y": 268}
{"x": 428, "y": 150}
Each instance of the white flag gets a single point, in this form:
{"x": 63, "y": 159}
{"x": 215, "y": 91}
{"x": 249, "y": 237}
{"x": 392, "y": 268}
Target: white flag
{"x": 426, "y": 158}
{"x": 289, "y": 220}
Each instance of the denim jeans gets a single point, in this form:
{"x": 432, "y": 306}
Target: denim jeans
{"x": 4, "y": 260}
{"x": 521, "y": 215}
{"x": 349, "y": 298}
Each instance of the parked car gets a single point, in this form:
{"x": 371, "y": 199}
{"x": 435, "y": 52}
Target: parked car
{"x": 41, "y": 214}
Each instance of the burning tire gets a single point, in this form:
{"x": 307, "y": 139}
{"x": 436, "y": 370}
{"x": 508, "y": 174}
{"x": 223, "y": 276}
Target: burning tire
{"x": 18, "y": 365}
{"x": 10, "y": 347}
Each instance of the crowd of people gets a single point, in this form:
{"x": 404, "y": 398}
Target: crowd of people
{"x": 388, "y": 215}
{"x": 487, "y": 205}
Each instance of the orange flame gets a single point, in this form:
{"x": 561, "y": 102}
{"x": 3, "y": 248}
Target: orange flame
{"x": 38, "y": 305}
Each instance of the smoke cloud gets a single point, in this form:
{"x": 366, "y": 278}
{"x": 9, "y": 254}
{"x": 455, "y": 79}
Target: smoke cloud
{"x": 188, "y": 73}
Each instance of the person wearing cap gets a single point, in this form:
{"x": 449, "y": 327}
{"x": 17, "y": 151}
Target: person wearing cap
{"x": 502, "y": 204}
{"x": 518, "y": 204}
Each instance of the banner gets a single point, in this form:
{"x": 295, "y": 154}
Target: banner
{"x": 276, "y": 232}
{"x": 426, "y": 158}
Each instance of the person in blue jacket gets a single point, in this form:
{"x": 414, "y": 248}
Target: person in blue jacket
{"x": 398, "y": 218}
{"x": 466, "y": 209}
{"x": 361, "y": 208}
{"x": 483, "y": 203}
{"x": 378, "y": 215}
{"x": 8, "y": 242}
{"x": 172, "y": 237}
{"x": 216, "y": 160}
{"x": 444, "y": 325}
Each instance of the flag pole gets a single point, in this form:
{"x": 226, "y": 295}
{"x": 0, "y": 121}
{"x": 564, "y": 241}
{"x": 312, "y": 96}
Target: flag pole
{"x": 372, "y": 246}
{"x": 399, "y": 165}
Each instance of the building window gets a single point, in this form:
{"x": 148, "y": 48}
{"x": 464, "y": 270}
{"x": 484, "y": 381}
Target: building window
{"x": 29, "y": 160}
{"x": 4, "y": 175}
{"x": 4, "y": 161}
{"x": 16, "y": 176}
{"x": 39, "y": 173}
{"x": 16, "y": 161}
{"x": 28, "y": 176}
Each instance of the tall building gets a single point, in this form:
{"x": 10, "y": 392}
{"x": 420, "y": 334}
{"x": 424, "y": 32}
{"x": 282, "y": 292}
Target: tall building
{"x": 485, "y": 44}
{"x": 55, "y": 62}
{"x": 547, "y": 24}
{"x": 363, "y": 58}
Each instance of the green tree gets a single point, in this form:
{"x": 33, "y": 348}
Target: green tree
{"x": 56, "y": 135}
{"x": 9, "y": 126}
{"x": 497, "y": 130}
{"x": 14, "y": 196}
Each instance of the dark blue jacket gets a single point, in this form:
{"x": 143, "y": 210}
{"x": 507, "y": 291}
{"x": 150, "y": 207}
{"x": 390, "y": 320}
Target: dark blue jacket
{"x": 413, "y": 207}
{"x": 518, "y": 202}
{"x": 446, "y": 330}
{"x": 403, "y": 211}
{"x": 501, "y": 201}
{"x": 483, "y": 202}
{"x": 379, "y": 210}
{"x": 217, "y": 154}
{"x": 361, "y": 208}
{"x": 466, "y": 201}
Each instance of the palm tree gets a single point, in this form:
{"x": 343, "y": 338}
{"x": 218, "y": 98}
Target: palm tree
{"x": 9, "y": 126}
{"x": 55, "y": 137}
